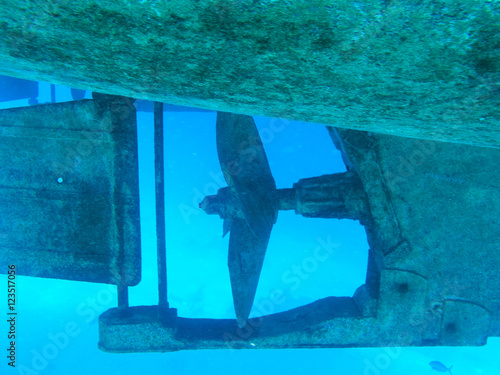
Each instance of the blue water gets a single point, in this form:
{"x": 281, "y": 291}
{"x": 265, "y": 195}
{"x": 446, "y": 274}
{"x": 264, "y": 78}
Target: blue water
{"x": 198, "y": 278}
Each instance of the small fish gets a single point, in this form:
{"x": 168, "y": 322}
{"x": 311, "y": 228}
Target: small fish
{"x": 438, "y": 366}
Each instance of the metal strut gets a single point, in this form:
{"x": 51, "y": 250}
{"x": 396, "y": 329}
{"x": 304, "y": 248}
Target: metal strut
{"x": 160, "y": 206}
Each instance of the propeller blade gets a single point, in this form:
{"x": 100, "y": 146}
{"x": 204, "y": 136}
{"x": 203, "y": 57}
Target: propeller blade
{"x": 245, "y": 259}
{"x": 246, "y": 170}
{"x": 226, "y": 227}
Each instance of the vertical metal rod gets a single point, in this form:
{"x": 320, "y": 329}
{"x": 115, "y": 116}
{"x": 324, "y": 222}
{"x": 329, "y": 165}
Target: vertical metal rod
{"x": 52, "y": 93}
{"x": 160, "y": 206}
{"x": 122, "y": 296}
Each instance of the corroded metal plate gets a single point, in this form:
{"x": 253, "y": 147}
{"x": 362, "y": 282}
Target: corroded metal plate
{"x": 69, "y": 201}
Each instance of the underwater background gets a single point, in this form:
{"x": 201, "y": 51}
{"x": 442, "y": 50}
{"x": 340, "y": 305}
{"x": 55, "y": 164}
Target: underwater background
{"x": 198, "y": 279}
